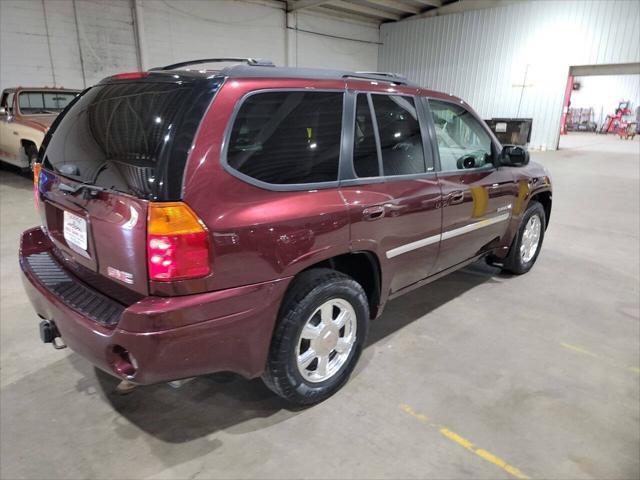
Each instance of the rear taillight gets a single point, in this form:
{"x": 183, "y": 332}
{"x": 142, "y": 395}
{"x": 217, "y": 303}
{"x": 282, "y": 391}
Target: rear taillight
{"x": 36, "y": 182}
{"x": 177, "y": 243}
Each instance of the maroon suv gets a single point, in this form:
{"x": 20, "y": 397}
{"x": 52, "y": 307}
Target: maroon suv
{"x": 254, "y": 219}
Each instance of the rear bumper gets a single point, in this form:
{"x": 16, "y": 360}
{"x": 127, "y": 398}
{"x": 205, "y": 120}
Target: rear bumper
{"x": 169, "y": 337}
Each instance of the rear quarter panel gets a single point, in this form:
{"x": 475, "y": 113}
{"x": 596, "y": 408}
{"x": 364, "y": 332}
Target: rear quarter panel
{"x": 257, "y": 234}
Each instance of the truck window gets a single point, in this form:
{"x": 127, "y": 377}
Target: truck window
{"x": 132, "y": 137}
{"x": 365, "y": 153}
{"x": 33, "y": 103}
{"x": 288, "y": 137}
{"x": 462, "y": 142}
{"x": 400, "y": 137}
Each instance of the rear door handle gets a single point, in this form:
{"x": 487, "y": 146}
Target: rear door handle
{"x": 456, "y": 197}
{"x": 373, "y": 213}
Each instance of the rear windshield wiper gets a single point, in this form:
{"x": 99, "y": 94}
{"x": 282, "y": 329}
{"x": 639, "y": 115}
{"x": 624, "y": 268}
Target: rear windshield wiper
{"x": 92, "y": 190}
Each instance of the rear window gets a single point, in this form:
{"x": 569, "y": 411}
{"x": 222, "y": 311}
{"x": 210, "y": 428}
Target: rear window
{"x": 288, "y": 137}
{"x": 37, "y": 103}
{"x": 131, "y": 137}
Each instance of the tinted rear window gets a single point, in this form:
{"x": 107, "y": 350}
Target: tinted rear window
{"x": 288, "y": 137}
{"x": 132, "y": 137}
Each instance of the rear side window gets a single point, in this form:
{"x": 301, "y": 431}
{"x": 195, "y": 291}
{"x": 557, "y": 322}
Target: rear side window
{"x": 288, "y": 137}
{"x": 400, "y": 137}
{"x": 365, "y": 153}
{"x": 131, "y": 137}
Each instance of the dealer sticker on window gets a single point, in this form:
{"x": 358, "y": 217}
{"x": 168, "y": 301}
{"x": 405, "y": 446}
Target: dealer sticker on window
{"x": 75, "y": 230}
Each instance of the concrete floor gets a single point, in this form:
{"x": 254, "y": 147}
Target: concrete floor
{"x": 476, "y": 376}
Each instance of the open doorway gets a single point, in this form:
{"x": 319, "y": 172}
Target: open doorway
{"x": 602, "y": 102}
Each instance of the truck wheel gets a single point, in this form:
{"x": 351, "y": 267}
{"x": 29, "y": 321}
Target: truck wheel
{"x": 317, "y": 342}
{"x": 528, "y": 241}
{"x": 31, "y": 154}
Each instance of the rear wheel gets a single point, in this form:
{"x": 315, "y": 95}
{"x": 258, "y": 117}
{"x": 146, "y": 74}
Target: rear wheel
{"x": 528, "y": 241}
{"x": 319, "y": 337}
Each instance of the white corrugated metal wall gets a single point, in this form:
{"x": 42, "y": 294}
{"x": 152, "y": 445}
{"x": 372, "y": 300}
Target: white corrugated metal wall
{"x": 41, "y": 43}
{"x": 185, "y": 29}
{"x": 483, "y": 56}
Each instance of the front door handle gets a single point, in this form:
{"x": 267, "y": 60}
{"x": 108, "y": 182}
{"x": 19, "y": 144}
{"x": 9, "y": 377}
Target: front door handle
{"x": 456, "y": 197}
{"x": 373, "y": 213}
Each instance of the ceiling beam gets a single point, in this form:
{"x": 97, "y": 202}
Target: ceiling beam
{"x": 397, "y": 5}
{"x": 430, "y": 3}
{"x": 374, "y": 12}
{"x": 297, "y": 5}
{"x": 328, "y": 12}
{"x": 605, "y": 69}
{"x": 465, "y": 6}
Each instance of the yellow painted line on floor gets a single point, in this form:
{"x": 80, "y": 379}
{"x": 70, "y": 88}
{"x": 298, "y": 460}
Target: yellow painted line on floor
{"x": 568, "y": 346}
{"x": 583, "y": 351}
{"x": 466, "y": 444}
{"x": 410, "y": 411}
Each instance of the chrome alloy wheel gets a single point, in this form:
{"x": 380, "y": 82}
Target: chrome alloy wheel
{"x": 530, "y": 239}
{"x": 326, "y": 340}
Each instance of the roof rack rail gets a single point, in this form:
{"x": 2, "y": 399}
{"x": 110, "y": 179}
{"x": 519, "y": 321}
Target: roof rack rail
{"x": 383, "y": 76}
{"x": 258, "y": 62}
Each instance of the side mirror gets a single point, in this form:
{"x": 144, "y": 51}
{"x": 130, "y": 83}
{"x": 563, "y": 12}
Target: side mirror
{"x": 3, "y": 111}
{"x": 514, "y": 156}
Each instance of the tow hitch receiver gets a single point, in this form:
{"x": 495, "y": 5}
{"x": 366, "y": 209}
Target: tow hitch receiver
{"x": 49, "y": 334}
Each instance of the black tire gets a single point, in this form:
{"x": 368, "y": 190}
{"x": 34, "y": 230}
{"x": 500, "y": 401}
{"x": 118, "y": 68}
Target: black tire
{"x": 514, "y": 262}
{"x": 308, "y": 291}
{"x": 31, "y": 153}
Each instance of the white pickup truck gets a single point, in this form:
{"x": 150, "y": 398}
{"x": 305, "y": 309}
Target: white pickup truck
{"x": 25, "y": 116}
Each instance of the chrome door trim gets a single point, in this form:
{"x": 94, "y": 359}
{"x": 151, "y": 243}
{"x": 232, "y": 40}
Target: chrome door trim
{"x": 475, "y": 226}
{"x": 408, "y": 247}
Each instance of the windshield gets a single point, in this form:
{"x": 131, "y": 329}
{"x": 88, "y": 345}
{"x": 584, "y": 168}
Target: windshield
{"x": 131, "y": 137}
{"x": 44, "y": 102}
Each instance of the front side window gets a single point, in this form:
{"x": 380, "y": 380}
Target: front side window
{"x": 288, "y": 137}
{"x": 400, "y": 138}
{"x": 462, "y": 142}
{"x": 34, "y": 103}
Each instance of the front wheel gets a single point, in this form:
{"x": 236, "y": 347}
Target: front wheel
{"x": 319, "y": 337}
{"x": 528, "y": 241}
